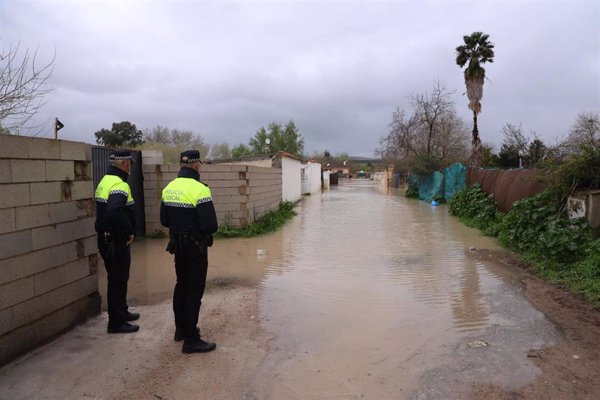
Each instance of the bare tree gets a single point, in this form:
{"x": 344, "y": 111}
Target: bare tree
{"x": 585, "y": 132}
{"x": 432, "y": 132}
{"x": 514, "y": 137}
{"x": 23, "y": 86}
{"x": 220, "y": 151}
{"x": 431, "y": 107}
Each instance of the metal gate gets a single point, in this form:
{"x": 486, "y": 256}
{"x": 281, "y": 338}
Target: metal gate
{"x": 136, "y": 181}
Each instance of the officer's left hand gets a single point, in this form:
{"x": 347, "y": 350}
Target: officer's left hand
{"x": 131, "y": 237}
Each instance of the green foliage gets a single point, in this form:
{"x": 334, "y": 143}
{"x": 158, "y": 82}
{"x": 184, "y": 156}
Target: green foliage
{"x": 286, "y": 138}
{"x": 426, "y": 164}
{"x": 488, "y": 158}
{"x": 508, "y": 157}
{"x": 476, "y": 208}
{"x": 538, "y": 225}
{"x": 122, "y": 134}
{"x": 412, "y": 192}
{"x": 157, "y": 234}
{"x": 581, "y": 171}
{"x": 267, "y": 223}
{"x": 241, "y": 150}
{"x": 476, "y": 50}
{"x": 172, "y": 142}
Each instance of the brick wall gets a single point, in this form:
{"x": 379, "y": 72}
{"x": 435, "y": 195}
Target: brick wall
{"x": 241, "y": 193}
{"x": 48, "y": 253}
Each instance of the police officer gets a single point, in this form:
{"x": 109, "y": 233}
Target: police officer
{"x": 115, "y": 226}
{"x": 187, "y": 210}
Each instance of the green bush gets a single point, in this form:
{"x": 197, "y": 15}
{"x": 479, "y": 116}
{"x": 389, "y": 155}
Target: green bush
{"x": 539, "y": 225}
{"x": 267, "y": 223}
{"x": 476, "y": 208}
{"x": 412, "y": 192}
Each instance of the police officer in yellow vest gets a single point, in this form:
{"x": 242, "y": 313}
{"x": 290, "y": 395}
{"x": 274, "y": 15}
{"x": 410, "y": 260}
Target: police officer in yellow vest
{"x": 115, "y": 226}
{"x": 187, "y": 210}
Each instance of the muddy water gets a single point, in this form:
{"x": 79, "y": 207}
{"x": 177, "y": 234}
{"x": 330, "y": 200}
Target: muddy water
{"x": 371, "y": 295}
{"x": 378, "y": 297}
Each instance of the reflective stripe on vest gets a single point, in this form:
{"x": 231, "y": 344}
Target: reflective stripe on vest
{"x": 185, "y": 192}
{"x": 112, "y": 184}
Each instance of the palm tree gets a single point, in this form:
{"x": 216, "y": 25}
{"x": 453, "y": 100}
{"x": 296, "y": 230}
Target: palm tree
{"x": 477, "y": 50}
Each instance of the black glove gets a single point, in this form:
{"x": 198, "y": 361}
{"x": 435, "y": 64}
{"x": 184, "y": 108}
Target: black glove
{"x": 209, "y": 240}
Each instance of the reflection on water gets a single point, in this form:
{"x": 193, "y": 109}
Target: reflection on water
{"x": 152, "y": 275}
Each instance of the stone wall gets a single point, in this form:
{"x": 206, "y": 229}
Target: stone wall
{"x": 48, "y": 252}
{"x": 241, "y": 193}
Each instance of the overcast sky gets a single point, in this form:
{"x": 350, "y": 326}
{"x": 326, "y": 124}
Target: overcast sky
{"x": 338, "y": 69}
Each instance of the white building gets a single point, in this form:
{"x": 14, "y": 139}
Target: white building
{"x": 311, "y": 177}
{"x": 291, "y": 176}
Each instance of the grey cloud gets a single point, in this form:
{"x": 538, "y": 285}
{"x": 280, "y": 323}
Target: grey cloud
{"x": 338, "y": 69}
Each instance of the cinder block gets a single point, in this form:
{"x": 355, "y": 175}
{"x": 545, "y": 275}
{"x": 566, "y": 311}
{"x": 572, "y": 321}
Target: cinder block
{"x": 51, "y": 235}
{"x": 45, "y": 192}
{"x": 7, "y": 220}
{"x": 14, "y": 195}
{"x": 16, "y": 292}
{"x": 73, "y": 150}
{"x": 6, "y": 320}
{"x": 41, "y": 260}
{"x": 60, "y": 276}
{"x": 32, "y": 216}
{"x": 62, "y": 212}
{"x": 43, "y": 149}
{"x": 28, "y": 170}
{"x": 60, "y": 170}
{"x": 48, "y": 302}
{"x": 82, "y": 190}
{"x": 151, "y": 169}
{"x": 12, "y": 146}
{"x": 16, "y": 342}
{"x": 15, "y": 243}
{"x": 83, "y": 228}
{"x": 5, "y": 174}
{"x": 233, "y": 183}
{"x": 90, "y": 245}
{"x": 7, "y": 271}
{"x": 82, "y": 170}
{"x": 86, "y": 208}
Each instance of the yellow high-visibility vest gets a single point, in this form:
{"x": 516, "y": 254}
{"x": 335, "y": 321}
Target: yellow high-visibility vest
{"x": 185, "y": 192}
{"x": 112, "y": 184}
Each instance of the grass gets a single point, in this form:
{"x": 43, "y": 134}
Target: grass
{"x": 267, "y": 223}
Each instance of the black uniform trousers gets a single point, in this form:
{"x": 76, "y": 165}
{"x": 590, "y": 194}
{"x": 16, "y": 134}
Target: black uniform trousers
{"x": 191, "y": 265}
{"x": 117, "y": 261}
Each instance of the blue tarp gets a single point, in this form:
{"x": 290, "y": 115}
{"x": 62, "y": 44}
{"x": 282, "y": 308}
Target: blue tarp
{"x": 431, "y": 187}
{"x": 455, "y": 177}
{"x": 440, "y": 184}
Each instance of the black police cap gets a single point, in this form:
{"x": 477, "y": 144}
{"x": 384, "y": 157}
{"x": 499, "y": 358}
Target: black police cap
{"x": 190, "y": 156}
{"x": 120, "y": 155}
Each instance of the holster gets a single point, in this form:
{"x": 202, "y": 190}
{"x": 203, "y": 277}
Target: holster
{"x": 115, "y": 244}
{"x": 179, "y": 241}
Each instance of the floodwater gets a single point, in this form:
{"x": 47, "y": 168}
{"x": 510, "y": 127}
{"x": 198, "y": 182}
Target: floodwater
{"x": 372, "y": 295}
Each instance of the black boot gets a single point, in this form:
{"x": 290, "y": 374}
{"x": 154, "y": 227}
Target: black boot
{"x": 132, "y": 316}
{"x": 122, "y": 327}
{"x": 197, "y": 345}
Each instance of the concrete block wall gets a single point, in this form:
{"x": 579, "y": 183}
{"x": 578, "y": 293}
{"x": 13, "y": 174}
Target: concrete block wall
{"x": 241, "y": 193}
{"x": 48, "y": 252}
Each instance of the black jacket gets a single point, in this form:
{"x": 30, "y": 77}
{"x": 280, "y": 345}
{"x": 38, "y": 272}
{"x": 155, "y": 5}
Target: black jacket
{"x": 115, "y": 216}
{"x": 202, "y": 218}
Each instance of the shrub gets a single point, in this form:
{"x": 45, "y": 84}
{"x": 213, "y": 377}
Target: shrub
{"x": 539, "y": 225}
{"x": 476, "y": 208}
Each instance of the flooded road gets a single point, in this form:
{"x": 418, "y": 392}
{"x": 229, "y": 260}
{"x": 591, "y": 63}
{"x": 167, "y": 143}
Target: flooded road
{"x": 371, "y": 295}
